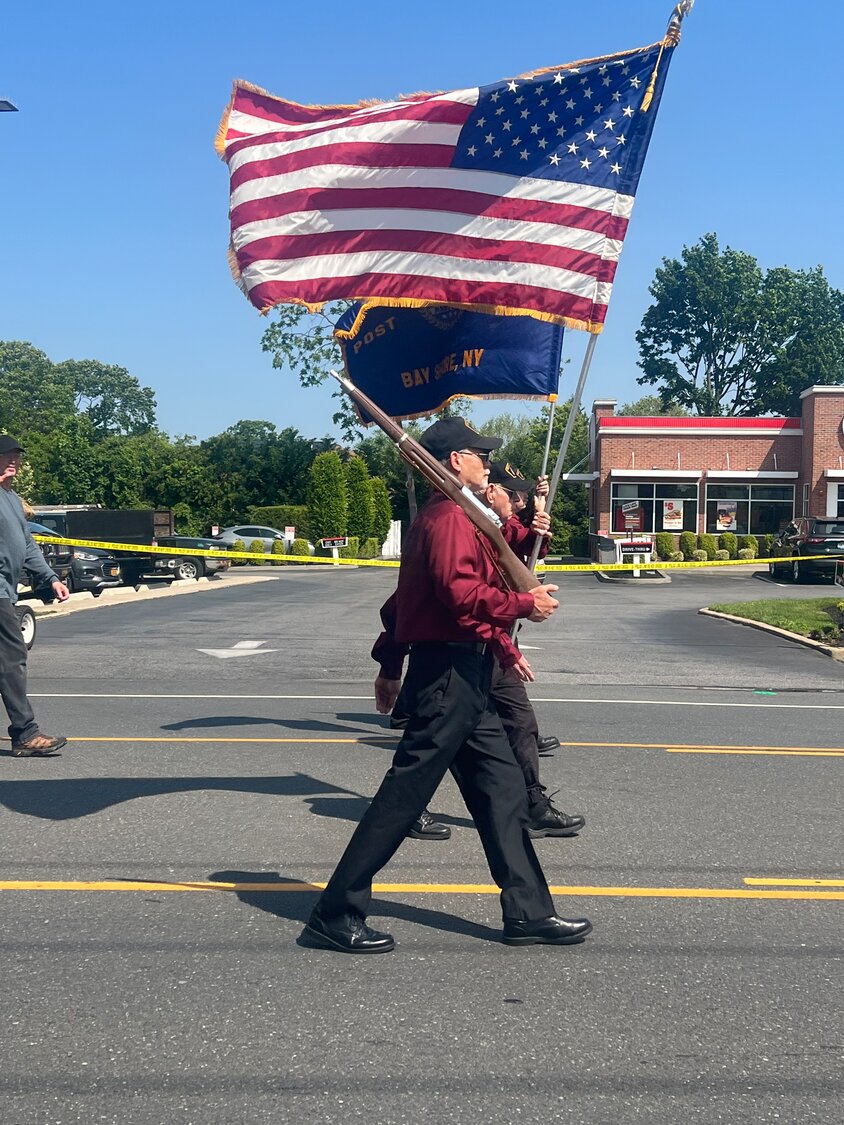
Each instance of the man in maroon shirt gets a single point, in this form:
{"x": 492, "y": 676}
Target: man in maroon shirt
{"x": 505, "y": 488}
{"x": 452, "y": 612}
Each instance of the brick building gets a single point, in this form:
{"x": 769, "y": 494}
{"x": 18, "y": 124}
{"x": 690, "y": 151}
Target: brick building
{"x": 747, "y": 475}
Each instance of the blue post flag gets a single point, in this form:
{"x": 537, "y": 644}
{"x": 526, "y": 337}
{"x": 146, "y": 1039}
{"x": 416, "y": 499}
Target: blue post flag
{"x": 412, "y": 361}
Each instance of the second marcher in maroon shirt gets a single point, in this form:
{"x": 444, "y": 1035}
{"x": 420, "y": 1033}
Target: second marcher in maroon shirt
{"x": 453, "y": 593}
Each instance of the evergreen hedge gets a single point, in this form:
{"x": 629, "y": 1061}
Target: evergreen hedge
{"x": 688, "y": 543}
{"x": 281, "y": 516}
{"x": 383, "y": 511}
{"x": 707, "y": 543}
{"x": 328, "y": 503}
{"x": 665, "y": 543}
{"x": 361, "y": 504}
{"x": 750, "y": 543}
{"x": 727, "y": 541}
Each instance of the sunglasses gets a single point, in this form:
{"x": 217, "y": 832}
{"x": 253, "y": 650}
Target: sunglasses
{"x": 484, "y": 457}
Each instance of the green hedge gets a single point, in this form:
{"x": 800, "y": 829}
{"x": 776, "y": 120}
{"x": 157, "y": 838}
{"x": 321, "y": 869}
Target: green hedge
{"x": 281, "y": 516}
{"x": 299, "y": 547}
{"x": 707, "y": 543}
{"x": 750, "y": 543}
{"x": 688, "y": 544}
{"x": 727, "y": 541}
{"x": 665, "y": 543}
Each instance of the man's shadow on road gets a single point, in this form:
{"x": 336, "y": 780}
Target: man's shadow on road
{"x": 205, "y": 722}
{"x": 295, "y": 905}
{"x": 75, "y": 797}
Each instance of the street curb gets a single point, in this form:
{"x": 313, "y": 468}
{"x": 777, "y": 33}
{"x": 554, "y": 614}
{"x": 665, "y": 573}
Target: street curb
{"x": 604, "y": 576}
{"x": 122, "y": 595}
{"x": 807, "y": 642}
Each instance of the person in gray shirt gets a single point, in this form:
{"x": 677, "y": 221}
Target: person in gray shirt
{"x": 19, "y": 552}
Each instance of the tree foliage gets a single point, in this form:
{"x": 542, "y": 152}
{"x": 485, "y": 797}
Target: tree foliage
{"x": 328, "y": 497}
{"x": 651, "y": 406}
{"x": 722, "y": 337}
{"x": 382, "y": 510}
{"x": 361, "y": 504}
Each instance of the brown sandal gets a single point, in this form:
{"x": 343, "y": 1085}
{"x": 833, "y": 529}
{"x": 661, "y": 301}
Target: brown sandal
{"x": 39, "y": 746}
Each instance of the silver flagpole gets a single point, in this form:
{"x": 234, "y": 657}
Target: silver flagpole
{"x": 564, "y": 444}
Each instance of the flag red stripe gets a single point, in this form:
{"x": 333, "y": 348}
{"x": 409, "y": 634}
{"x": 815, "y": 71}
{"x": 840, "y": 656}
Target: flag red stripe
{"x": 281, "y": 248}
{"x": 438, "y": 113}
{"x": 431, "y": 199}
{"x": 533, "y": 298}
{"x": 386, "y": 155}
{"x": 279, "y": 109}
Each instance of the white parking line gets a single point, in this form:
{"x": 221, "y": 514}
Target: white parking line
{"x": 534, "y": 699}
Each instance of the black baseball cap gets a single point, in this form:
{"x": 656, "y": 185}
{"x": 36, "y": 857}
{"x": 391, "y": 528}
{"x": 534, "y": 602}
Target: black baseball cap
{"x": 8, "y": 444}
{"x": 450, "y": 434}
{"x": 509, "y": 477}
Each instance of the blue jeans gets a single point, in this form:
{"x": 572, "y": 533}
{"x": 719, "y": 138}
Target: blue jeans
{"x": 22, "y": 724}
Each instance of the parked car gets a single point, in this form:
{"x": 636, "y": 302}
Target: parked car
{"x": 267, "y": 535}
{"x": 59, "y": 558}
{"x": 807, "y": 536}
{"x": 93, "y": 569}
{"x": 194, "y": 566}
{"x": 27, "y": 623}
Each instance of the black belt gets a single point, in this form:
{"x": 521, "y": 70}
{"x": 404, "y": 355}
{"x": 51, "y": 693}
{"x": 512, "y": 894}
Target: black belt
{"x": 478, "y": 647}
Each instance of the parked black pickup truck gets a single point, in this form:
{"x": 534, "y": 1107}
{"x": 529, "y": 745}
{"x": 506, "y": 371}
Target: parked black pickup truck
{"x": 194, "y": 566}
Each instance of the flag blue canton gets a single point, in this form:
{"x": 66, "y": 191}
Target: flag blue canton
{"x": 579, "y": 124}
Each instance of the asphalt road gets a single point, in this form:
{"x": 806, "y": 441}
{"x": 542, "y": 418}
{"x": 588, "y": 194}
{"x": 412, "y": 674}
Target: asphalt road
{"x": 702, "y": 754}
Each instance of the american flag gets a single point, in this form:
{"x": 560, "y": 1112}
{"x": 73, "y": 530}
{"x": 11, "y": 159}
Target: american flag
{"x": 513, "y": 197}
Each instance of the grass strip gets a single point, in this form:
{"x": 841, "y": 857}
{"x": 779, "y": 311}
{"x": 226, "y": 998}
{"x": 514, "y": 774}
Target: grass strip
{"x": 810, "y": 617}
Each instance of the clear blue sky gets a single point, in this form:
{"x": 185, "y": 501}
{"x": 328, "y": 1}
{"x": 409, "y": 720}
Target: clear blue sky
{"x": 115, "y": 203}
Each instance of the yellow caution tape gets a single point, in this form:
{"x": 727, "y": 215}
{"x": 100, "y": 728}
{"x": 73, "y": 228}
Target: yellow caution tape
{"x": 542, "y": 568}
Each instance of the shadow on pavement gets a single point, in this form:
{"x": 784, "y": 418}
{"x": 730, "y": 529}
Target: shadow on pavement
{"x": 211, "y": 721}
{"x": 84, "y": 796}
{"x": 296, "y": 905}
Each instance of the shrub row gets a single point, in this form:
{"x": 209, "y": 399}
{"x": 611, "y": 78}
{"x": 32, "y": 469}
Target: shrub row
{"x": 725, "y": 546}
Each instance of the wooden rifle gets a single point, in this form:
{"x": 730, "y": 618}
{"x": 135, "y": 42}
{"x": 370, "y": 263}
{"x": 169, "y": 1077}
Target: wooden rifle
{"x": 517, "y": 575}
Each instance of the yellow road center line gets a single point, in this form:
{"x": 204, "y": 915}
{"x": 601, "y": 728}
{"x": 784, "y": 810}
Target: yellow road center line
{"x": 414, "y": 888}
{"x": 789, "y": 753}
{"x": 794, "y": 882}
{"x": 696, "y": 748}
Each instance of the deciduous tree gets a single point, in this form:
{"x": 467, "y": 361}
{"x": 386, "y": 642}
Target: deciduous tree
{"x": 722, "y": 337}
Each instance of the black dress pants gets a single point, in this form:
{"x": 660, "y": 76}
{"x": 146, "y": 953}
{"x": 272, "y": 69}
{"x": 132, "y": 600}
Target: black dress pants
{"x": 22, "y": 724}
{"x": 452, "y": 726}
{"x": 510, "y": 699}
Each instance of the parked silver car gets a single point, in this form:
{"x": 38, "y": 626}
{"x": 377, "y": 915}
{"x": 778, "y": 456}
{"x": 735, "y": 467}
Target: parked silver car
{"x": 249, "y": 533}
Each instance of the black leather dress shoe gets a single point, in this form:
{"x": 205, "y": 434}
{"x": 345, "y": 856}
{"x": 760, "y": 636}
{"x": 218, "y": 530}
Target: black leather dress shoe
{"x": 426, "y": 828}
{"x": 546, "y": 931}
{"x": 547, "y": 820}
{"x": 346, "y": 935}
{"x": 546, "y": 745}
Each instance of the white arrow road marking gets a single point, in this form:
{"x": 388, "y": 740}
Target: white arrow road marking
{"x": 531, "y": 648}
{"x": 242, "y": 648}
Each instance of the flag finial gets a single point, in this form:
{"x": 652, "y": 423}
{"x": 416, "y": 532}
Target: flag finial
{"x": 672, "y": 38}
{"x": 677, "y": 16}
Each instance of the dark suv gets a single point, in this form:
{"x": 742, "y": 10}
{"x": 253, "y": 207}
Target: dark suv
{"x": 93, "y": 569}
{"x": 806, "y": 536}
{"x": 194, "y": 566}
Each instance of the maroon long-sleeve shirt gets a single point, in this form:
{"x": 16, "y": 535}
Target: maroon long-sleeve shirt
{"x": 521, "y": 539}
{"x": 449, "y": 589}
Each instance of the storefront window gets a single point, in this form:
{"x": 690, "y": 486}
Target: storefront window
{"x": 661, "y": 507}
{"x": 755, "y": 509}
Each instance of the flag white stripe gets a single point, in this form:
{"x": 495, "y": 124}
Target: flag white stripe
{"x": 462, "y": 179}
{"x": 444, "y": 222}
{"x": 255, "y": 125}
{"x": 379, "y": 132}
{"x": 427, "y": 265}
